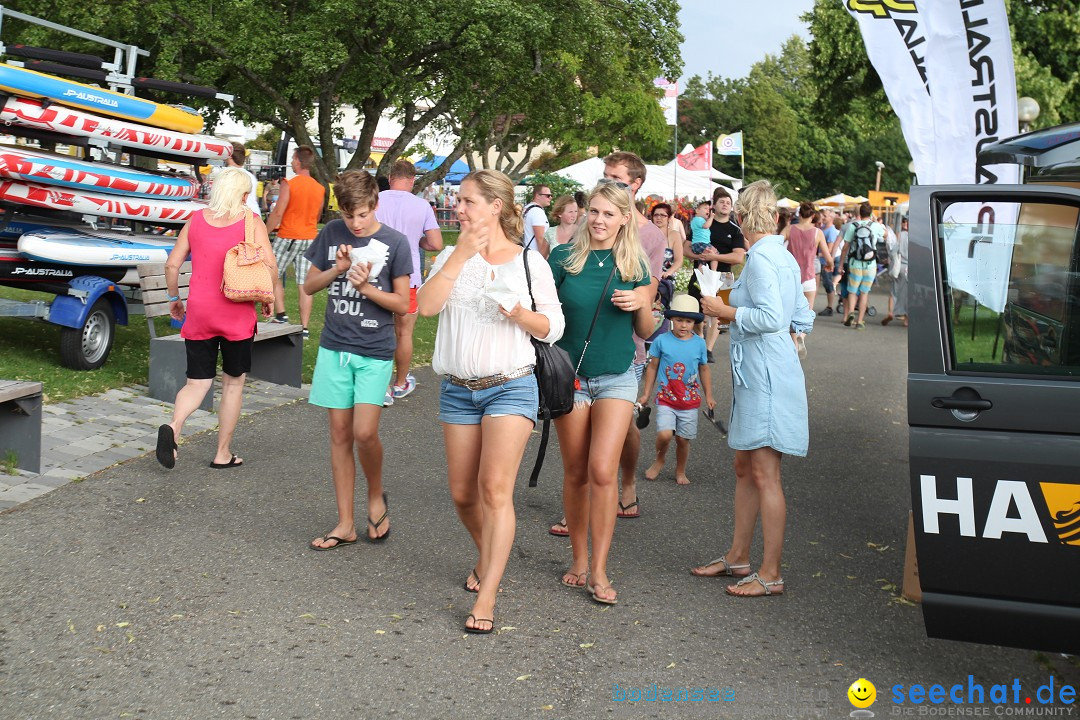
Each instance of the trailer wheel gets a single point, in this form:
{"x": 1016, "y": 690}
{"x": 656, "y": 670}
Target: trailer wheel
{"x": 88, "y": 347}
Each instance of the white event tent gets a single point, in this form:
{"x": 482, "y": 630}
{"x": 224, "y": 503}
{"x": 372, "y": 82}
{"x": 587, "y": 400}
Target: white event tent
{"x": 663, "y": 180}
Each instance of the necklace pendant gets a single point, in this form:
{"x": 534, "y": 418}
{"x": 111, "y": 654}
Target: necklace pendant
{"x": 600, "y": 263}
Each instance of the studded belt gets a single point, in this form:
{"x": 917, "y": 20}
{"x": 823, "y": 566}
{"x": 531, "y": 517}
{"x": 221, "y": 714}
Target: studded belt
{"x": 490, "y": 381}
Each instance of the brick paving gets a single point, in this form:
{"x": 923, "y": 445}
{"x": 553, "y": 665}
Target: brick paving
{"x": 82, "y": 436}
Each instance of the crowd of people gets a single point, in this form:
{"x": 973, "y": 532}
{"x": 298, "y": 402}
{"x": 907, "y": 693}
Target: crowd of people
{"x": 592, "y": 284}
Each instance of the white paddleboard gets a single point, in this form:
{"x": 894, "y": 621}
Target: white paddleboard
{"x": 20, "y": 163}
{"x": 91, "y": 247}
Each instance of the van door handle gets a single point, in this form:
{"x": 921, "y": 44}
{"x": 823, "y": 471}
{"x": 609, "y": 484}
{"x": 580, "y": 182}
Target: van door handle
{"x": 965, "y": 399}
{"x": 952, "y": 403}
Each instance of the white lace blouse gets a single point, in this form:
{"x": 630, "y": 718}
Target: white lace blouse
{"x": 474, "y": 339}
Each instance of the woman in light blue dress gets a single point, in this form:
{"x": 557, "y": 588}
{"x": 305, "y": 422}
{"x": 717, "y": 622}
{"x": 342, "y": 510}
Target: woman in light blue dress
{"x": 768, "y": 409}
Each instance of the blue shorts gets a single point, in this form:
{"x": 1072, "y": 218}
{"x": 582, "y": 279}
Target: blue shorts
{"x": 860, "y": 277}
{"x": 461, "y": 406}
{"x": 616, "y": 386}
{"x": 683, "y": 422}
{"x": 342, "y": 380}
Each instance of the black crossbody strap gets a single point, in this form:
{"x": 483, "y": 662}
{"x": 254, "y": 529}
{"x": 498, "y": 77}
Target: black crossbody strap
{"x": 592, "y": 326}
{"x": 528, "y": 278}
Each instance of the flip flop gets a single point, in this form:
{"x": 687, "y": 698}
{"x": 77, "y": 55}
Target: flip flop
{"x": 231, "y": 464}
{"x": 480, "y": 631}
{"x": 376, "y": 523}
{"x": 475, "y": 588}
{"x": 559, "y": 529}
{"x": 596, "y": 598}
{"x": 576, "y": 576}
{"x": 166, "y": 446}
{"x": 338, "y": 542}
{"x": 628, "y": 516}
{"x": 710, "y": 414}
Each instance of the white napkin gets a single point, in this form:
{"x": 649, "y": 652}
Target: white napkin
{"x": 710, "y": 281}
{"x": 375, "y": 252}
{"x": 499, "y": 291}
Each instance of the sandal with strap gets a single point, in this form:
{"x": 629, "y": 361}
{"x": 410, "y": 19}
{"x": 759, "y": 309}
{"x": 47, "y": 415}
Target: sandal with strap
{"x": 559, "y": 529}
{"x": 726, "y": 572}
{"x": 472, "y": 588}
{"x": 376, "y": 523}
{"x": 480, "y": 631}
{"x": 776, "y": 587}
{"x": 580, "y": 580}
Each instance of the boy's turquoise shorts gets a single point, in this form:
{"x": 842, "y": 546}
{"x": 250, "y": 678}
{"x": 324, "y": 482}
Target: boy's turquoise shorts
{"x": 342, "y": 380}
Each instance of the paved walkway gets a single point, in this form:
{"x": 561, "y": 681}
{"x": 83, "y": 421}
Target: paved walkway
{"x": 82, "y": 436}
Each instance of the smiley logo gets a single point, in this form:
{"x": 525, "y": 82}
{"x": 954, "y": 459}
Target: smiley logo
{"x": 862, "y": 693}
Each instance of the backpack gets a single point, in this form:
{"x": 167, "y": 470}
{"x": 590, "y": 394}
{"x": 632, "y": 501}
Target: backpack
{"x": 862, "y": 243}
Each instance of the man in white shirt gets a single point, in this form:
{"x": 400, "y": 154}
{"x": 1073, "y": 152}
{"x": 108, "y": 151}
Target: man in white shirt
{"x": 536, "y": 222}
{"x": 236, "y": 160}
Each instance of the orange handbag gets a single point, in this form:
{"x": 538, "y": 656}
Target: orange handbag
{"x": 246, "y": 276}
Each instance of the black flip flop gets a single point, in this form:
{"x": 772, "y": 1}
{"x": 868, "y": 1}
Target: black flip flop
{"x": 477, "y": 631}
{"x": 166, "y": 446}
{"x": 642, "y": 420}
{"x": 717, "y": 422}
{"x": 375, "y": 524}
{"x": 231, "y": 464}
{"x": 472, "y": 574}
{"x": 338, "y": 543}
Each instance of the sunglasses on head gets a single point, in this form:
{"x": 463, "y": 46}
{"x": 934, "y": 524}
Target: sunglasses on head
{"x": 609, "y": 181}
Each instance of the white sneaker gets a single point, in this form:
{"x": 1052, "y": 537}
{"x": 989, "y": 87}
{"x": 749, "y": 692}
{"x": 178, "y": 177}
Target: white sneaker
{"x": 400, "y": 391}
{"x": 389, "y": 399}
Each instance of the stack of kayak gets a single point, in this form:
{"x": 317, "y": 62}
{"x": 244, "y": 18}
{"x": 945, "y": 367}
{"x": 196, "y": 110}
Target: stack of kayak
{"x": 45, "y": 195}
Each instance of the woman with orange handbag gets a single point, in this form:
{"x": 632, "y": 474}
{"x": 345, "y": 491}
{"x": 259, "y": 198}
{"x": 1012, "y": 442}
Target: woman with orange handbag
{"x": 212, "y": 322}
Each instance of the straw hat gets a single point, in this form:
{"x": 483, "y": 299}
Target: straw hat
{"x": 685, "y": 306}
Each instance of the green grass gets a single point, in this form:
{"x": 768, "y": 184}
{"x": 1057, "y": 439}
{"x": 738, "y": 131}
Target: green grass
{"x": 31, "y": 349}
{"x": 976, "y": 350}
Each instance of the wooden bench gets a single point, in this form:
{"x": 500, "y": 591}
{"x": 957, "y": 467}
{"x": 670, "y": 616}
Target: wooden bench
{"x": 20, "y": 423}
{"x": 277, "y": 355}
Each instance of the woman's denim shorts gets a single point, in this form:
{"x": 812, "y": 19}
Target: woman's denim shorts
{"x": 616, "y": 386}
{"x": 461, "y": 406}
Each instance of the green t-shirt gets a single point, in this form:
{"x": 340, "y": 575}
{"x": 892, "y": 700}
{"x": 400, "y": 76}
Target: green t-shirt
{"x": 611, "y": 348}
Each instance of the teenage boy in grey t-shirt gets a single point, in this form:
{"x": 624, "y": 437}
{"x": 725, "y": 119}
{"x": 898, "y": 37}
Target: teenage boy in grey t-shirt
{"x": 356, "y": 349}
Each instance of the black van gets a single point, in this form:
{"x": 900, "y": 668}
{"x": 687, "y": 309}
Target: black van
{"x": 994, "y": 398}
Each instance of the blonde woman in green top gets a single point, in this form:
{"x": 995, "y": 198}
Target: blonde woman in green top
{"x": 591, "y": 436}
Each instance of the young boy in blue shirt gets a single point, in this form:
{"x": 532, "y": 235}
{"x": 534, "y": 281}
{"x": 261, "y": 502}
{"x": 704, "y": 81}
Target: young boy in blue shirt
{"x": 356, "y": 348}
{"x": 678, "y": 357}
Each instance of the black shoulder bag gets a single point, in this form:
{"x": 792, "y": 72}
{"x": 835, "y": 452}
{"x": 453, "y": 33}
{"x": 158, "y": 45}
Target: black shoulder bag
{"x": 554, "y": 375}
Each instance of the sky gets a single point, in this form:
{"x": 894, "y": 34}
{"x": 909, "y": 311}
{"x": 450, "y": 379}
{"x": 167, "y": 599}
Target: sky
{"x": 726, "y": 37}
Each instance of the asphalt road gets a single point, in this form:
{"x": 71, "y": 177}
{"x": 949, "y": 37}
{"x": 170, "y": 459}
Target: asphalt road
{"x": 144, "y": 593}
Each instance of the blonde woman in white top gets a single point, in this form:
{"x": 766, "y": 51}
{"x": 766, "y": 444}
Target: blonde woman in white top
{"x": 489, "y": 398}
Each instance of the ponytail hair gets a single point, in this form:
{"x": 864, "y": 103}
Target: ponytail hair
{"x": 756, "y": 208}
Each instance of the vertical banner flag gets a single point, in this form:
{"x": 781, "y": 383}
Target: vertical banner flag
{"x": 969, "y": 62}
{"x": 894, "y": 35}
{"x": 729, "y": 144}
{"x": 669, "y": 100}
{"x": 700, "y": 158}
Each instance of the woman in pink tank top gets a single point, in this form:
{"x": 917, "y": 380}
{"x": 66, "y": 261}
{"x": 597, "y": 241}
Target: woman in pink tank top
{"x": 212, "y": 322}
{"x": 804, "y": 241}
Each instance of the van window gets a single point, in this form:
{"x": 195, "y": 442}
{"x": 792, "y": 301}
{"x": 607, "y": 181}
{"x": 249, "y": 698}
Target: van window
{"x": 1012, "y": 287}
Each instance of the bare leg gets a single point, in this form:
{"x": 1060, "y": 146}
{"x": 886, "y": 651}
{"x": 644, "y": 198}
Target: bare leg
{"x": 232, "y": 398}
{"x": 573, "y": 430}
{"x": 682, "y": 454}
{"x": 188, "y": 401}
{"x": 305, "y": 305}
{"x": 504, "y": 440}
{"x": 279, "y": 294}
{"x": 463, "y": 467}
{"x": 343, "y": 467}
{"x": 765, "y": 473}
{"x": 370, "y": 450}
{"x": 663, "y": 440}
{"x": 610, "y": 420}
{"x": 864, "y": 300}
{"x": 403, "y": 330}
{"x": 628, "y": 466}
